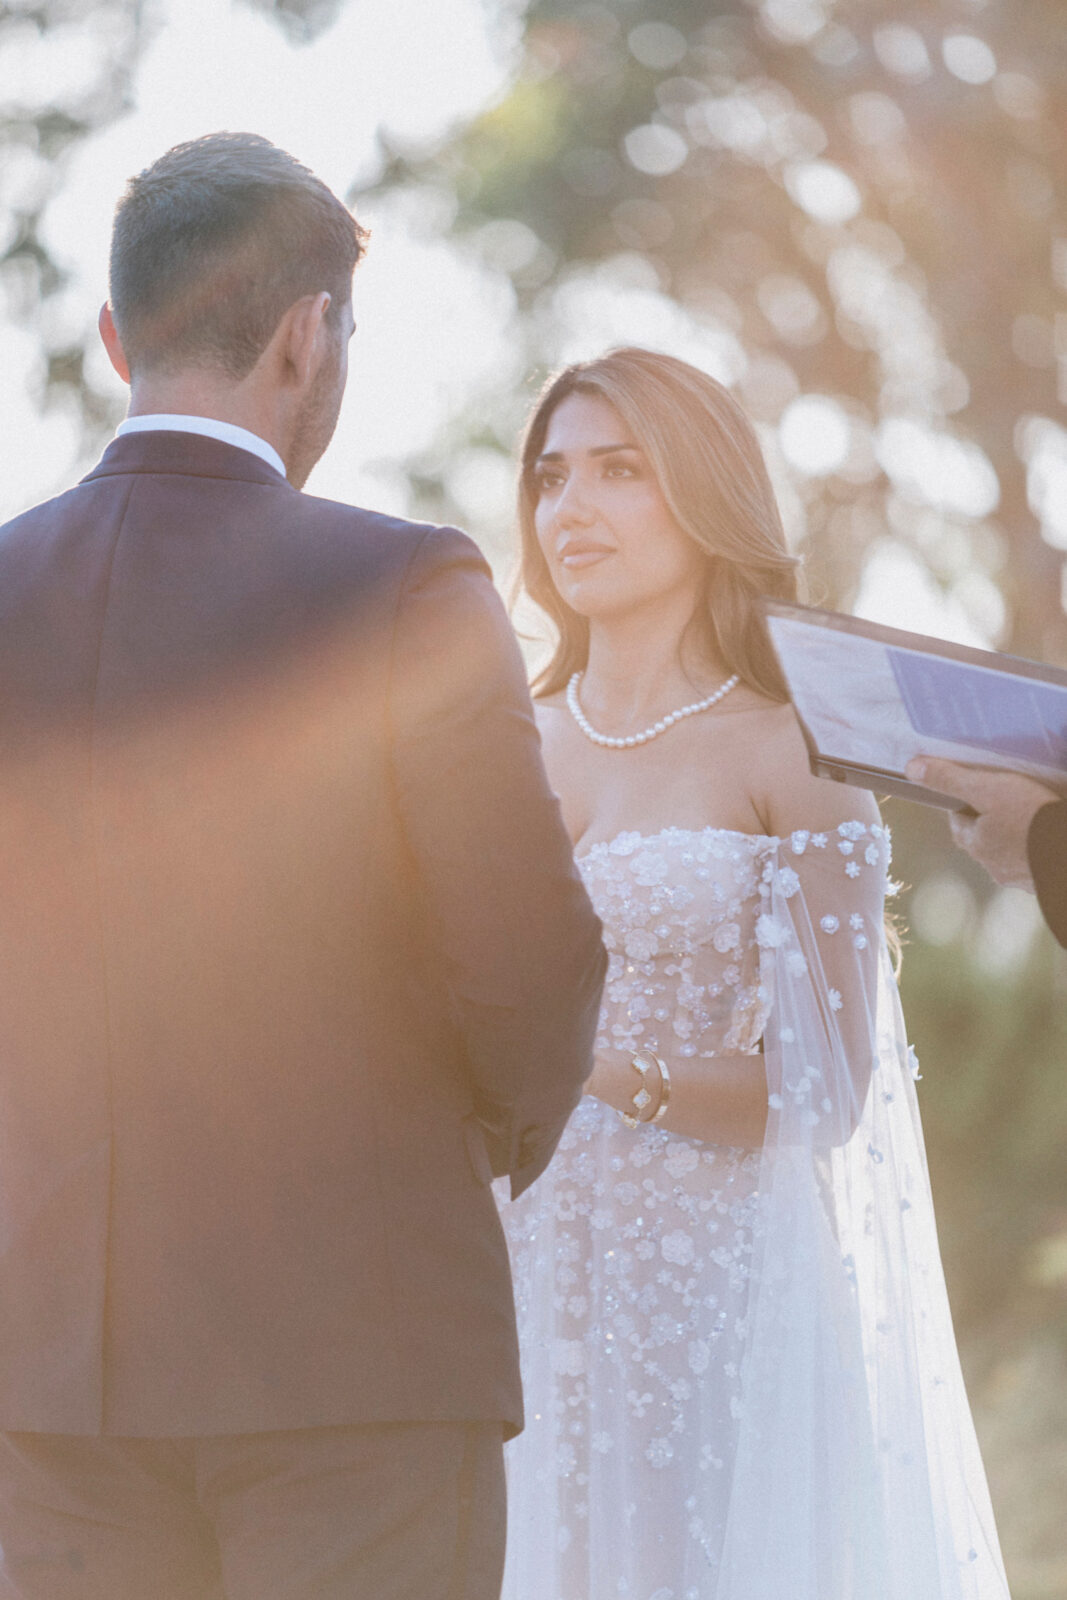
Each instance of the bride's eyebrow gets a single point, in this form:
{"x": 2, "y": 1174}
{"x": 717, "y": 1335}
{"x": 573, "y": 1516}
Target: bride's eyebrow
{"x": 597, "y": 450}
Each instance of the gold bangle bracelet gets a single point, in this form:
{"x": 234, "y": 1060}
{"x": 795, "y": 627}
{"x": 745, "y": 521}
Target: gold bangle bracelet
{"x": 641, "y": 1097}
{"x": 641, "y": 1061}
{"x": 664, "y": 1090}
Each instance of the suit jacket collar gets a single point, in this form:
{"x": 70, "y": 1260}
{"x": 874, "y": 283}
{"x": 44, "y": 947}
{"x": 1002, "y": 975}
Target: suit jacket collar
{"x": 184, "y": 455}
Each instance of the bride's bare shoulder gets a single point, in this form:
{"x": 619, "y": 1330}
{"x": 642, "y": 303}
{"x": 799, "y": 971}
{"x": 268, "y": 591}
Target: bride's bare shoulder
{"x": 789, "y": 794}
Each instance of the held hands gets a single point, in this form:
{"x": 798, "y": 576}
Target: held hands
{"x": 1006, "y": 804}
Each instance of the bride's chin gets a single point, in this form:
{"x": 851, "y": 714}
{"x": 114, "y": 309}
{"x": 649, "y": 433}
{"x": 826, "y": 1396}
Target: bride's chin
{"x": 604, "y": 608}
{"x": 595, "y": 602}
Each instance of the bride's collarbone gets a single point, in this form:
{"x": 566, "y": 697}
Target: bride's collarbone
{"x": 693, "y": 778}
{"x": 602, "y": 801}
{"x": 652, "y": 815}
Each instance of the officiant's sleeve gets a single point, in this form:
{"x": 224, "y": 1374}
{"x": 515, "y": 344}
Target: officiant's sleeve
{"x": 508, "y": 912}
{"x": 1047, "y": 850}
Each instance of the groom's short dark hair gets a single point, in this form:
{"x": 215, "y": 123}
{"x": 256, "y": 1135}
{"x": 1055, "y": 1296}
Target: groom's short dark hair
{"x": 214, "y": 242}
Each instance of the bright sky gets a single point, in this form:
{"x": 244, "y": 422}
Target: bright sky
{"x": 435, "y": 322}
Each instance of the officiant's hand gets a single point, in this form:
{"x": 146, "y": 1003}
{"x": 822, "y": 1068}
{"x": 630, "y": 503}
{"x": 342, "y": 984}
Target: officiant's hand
{"x": 1006, "y": 804}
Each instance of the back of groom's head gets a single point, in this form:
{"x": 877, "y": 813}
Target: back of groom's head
{"x": 211, "y": 246}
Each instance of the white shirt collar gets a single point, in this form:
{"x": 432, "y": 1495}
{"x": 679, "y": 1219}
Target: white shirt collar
{"x": 210, "y": 428}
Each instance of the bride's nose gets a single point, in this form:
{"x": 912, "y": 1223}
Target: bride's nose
{"x": 574, "y": 507}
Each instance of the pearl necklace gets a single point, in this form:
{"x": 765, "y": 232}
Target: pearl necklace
{"x": 650, "y": 733}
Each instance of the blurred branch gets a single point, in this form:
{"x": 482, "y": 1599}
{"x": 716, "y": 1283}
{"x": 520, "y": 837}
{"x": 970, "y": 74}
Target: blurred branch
{"x": 43, "y": 125}
{"x": 37, "y": 140}
{"x": 302, "y": 20}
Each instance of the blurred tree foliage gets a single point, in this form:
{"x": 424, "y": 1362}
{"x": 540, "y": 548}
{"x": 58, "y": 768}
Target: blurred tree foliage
{"x": 41, "y": 127}
{"x": 866, "y": 196}
{"x": 38, "y": 132}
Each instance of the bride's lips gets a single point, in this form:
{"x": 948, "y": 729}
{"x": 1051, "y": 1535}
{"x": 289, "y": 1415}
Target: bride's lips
{"x": 583, "y": 555}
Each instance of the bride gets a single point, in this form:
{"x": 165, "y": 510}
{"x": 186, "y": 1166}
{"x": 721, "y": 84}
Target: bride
{"x": 740, "y": 1371}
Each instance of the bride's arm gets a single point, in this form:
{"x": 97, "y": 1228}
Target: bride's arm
{"x": 717, "y": 1099}
{"x": 723, "y": 1099}
{"x": 836, "y": 852}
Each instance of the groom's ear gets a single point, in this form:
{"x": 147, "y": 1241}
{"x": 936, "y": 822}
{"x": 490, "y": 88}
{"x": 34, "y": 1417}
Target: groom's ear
{"x": 112, "y": 343}
{"x": 301, "y": 338}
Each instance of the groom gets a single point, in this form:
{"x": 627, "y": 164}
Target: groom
{"x": 293, "y": 959}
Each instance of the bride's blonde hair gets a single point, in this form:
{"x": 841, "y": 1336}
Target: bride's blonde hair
{"x": 709, "y": 466}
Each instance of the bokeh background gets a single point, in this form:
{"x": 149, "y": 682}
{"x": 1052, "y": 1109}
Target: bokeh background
{"x": 851, "y": 211}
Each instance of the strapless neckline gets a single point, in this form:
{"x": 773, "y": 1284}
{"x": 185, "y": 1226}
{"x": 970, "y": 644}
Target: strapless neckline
{"x": 708, "y": 829}
{"x": 600, "y": 845}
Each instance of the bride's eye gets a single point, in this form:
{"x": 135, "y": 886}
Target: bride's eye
{"x": 547, "y": 478}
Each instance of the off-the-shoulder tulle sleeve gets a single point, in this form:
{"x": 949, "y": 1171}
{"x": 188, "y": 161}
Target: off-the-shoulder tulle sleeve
{"x": 822, "y": 935}
{"x": 857, "y": 1472}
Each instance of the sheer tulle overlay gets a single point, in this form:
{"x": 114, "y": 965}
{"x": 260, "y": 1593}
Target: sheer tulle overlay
{"x": 741, "y": 1376}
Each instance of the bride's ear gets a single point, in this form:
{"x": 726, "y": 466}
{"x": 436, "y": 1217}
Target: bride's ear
{"x": 112, "y": 343}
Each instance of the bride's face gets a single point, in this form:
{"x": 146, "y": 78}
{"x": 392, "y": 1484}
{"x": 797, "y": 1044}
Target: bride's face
{"x": 607, "y": 533}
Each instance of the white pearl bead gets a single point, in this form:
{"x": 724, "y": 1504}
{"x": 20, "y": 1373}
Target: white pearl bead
{"x": 634, "y": 739}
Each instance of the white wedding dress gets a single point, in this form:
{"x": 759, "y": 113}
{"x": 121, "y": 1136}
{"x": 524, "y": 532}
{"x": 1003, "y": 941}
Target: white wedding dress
{"x": 741, "y": 1377}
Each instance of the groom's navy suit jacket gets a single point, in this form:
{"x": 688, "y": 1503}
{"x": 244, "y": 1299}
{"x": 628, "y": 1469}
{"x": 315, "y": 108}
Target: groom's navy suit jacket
{"x": 293, "y": 955}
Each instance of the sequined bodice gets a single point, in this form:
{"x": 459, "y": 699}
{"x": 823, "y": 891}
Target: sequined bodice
{"x": 680, "y": 909}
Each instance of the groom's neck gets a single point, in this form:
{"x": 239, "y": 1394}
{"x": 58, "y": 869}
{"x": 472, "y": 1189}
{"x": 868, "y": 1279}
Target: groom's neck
{"x": 203, "y": 394}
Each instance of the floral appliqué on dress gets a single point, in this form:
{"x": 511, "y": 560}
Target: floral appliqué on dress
{"x": 632, "y": 1255}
